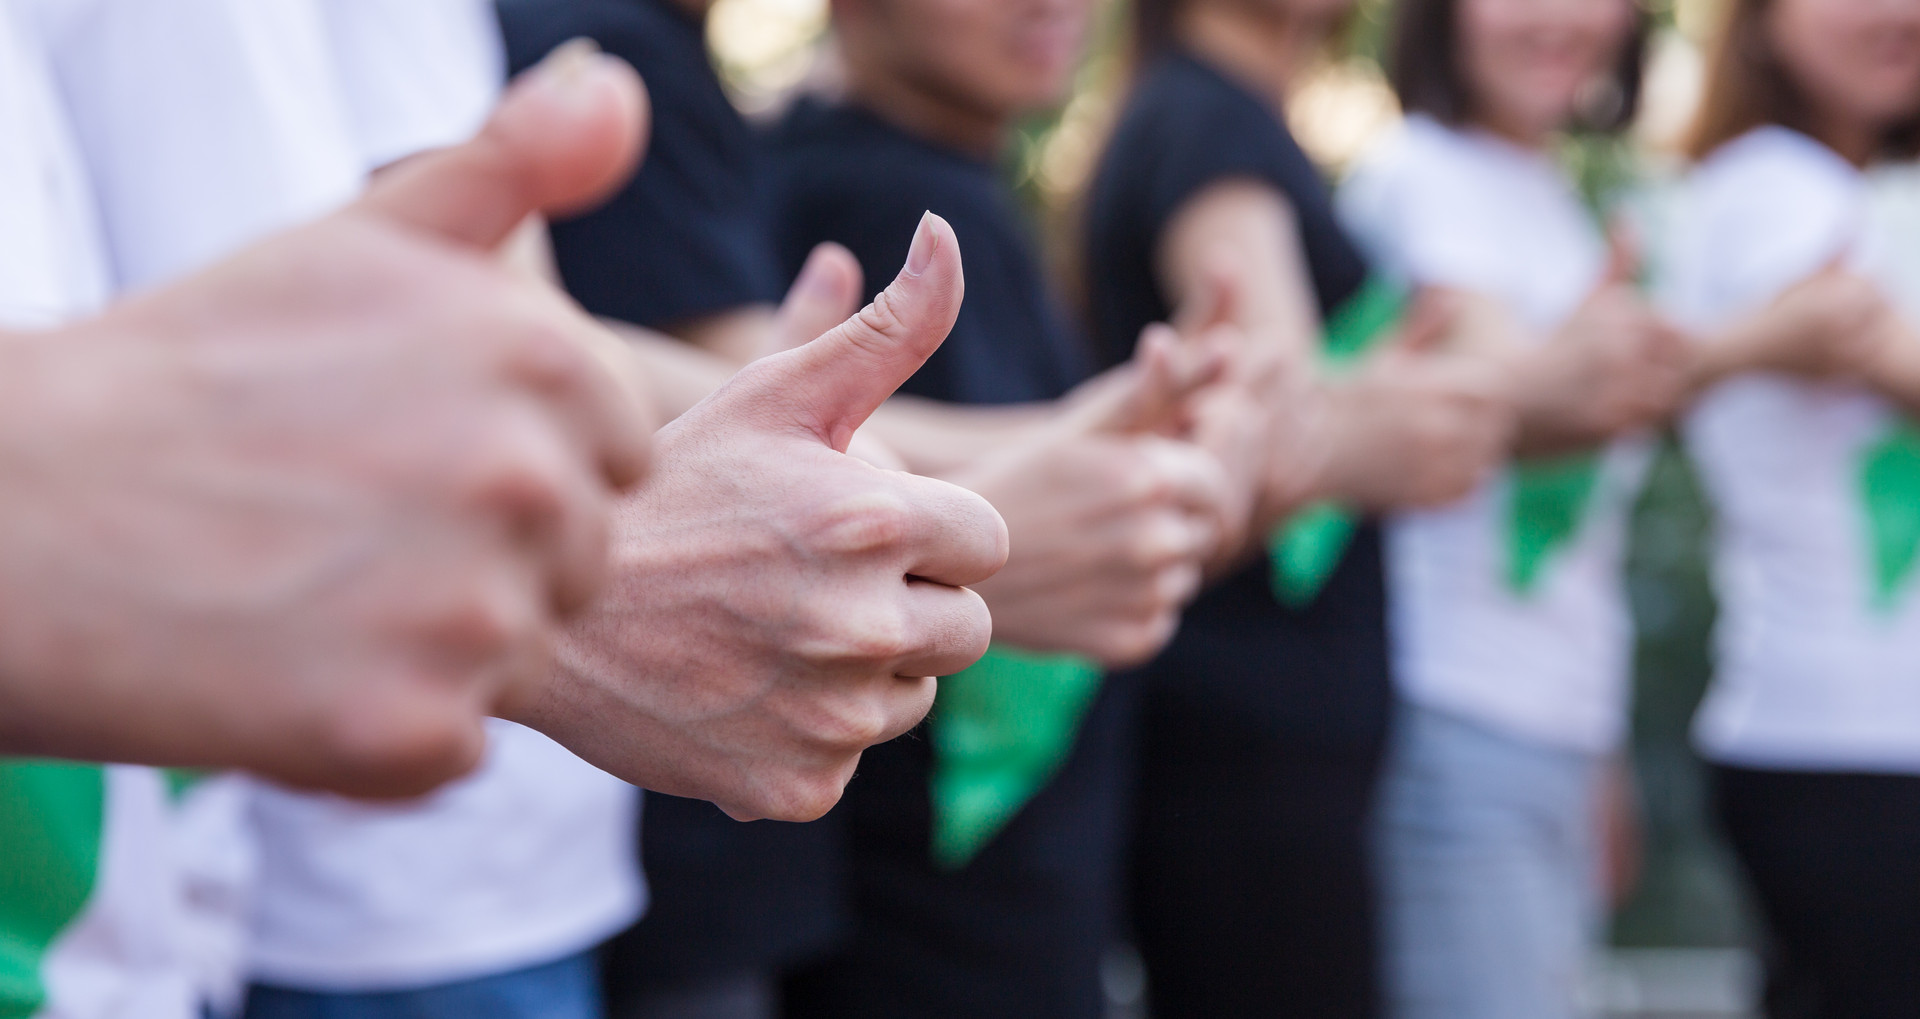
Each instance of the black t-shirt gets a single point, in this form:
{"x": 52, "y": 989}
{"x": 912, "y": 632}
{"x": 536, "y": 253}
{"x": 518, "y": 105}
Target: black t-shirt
{"x": 1317, "y": 676}
{"x": 843, "y": 175}
{"x": 688, "y": 236}
{"x": 1018, "y": 931}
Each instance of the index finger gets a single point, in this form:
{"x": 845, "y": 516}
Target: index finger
{"x": 556, "y": 359}
{"x": 954, "y": 536}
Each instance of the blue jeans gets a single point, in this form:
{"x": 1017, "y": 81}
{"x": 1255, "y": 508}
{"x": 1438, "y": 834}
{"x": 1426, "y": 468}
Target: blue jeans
{"x": 1488, "y": 850}
{"x": 568, "y": 989}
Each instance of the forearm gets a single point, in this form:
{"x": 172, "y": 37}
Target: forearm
{"x": 670, "y": 374}
{"x": 1732, "y": 350}
{"x": 937, "y": 439}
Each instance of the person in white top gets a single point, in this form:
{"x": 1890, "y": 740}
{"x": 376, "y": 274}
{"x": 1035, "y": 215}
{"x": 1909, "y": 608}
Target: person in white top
{"x": 529, "y": 860}
{"x": 1508, "y": 620}
{"x": 1813, "y": 717}
{"x": 104, "y": 909}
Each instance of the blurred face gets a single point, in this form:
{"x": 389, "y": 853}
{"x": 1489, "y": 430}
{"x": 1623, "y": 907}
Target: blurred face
{"x": 1853, "y": 59}
{"x": 1003, "y": 58}
{"x": 1528, "y": 64}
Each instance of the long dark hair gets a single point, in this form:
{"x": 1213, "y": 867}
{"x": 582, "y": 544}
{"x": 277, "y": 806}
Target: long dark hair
{"x": 1423, "y": 65}
{"x": 1748, "y": 86}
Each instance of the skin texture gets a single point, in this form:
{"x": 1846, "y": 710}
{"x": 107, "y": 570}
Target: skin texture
{"x": 777, "y": 606}
{"x": 319, "y": 510}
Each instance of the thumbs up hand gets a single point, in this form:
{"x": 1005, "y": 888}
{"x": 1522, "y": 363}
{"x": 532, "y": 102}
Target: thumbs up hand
{"x": 1613, "y": 367}
{"x": 1418, "y": 425}
{"x": 777, "y": 606}
{"x": 319, "y": 510}
{"x": 1112, "y": 515}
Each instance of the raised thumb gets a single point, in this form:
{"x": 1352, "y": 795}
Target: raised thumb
{"x": 1155, "y": 395}
{"x": 565, "y": 134}
{"x": 1428, "y": 322}
{"x": 822, "y": 296}
{"x": 830, "y": 385}
{"x": 1215, "y": 298}
{"x": 1623, "y": 258}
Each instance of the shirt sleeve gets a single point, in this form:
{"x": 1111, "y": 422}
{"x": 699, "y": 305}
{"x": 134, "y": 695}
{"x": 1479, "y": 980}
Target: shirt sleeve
{"x": 415, "y": 75}
{"x": 689, "y": 235}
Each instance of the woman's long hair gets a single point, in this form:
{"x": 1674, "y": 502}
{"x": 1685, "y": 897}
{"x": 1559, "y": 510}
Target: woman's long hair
{"x": 1748, "y": 85}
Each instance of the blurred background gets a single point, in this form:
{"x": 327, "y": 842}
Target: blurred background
{"x": 1682, "y": 937}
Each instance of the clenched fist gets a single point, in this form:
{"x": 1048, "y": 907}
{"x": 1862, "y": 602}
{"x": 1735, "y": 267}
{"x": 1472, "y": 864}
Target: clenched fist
{"x": 318, "y": 511}
{"x": 776, "y": 606}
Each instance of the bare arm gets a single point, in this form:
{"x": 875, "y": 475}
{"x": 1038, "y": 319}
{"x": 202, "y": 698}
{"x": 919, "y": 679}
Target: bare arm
{"x": 1413, "y": 426}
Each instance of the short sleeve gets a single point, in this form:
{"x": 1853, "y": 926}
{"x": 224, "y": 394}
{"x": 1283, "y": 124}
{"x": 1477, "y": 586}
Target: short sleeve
{"x": 689, "y": 235}
{"x": 1746, "y": 242}
{"x": 415, "y": 75}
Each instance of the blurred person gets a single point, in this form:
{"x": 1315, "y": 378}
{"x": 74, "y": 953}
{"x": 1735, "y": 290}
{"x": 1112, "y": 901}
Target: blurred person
{"x": 1509, "y": 625}
{"x": 1266, "y": 721}
{"x": 1812, "y": 720}
{"x": 983, "y": 855}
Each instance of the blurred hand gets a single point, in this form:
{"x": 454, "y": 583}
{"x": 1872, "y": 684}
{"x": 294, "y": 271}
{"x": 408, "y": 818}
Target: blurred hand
{"x": 1614, "y": 367}
{"x": 1112, "y": 520}
{"x": 1830, "y": 326}
{"x": 1256, "y": 419}
{"x": 317, "y": 511}
{"x": 1415, "y": 426}
{"x": 777, "y": 606}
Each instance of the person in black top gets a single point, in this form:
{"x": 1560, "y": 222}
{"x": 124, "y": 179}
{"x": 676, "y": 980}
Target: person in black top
{"x": 1016, "y": 925}
{"x": 1265, "y": 721}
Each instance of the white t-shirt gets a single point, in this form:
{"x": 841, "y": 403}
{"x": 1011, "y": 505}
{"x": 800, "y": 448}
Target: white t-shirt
{"x": 210, "y": 123}
{"x": 1465, "y": 210}
{"x": 529, "y": 860}
{"x": 1813, "y": 671}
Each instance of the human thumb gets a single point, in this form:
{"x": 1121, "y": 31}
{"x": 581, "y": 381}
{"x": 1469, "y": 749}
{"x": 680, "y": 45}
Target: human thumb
{"x": 1157, "y": 392}
{"x": 565, "y": 134}
{"x": 830, "y": 385}
{"x": 1215, "y": 296}
{"x": 1427, "y": 324}
{"x": 822, "y": 296}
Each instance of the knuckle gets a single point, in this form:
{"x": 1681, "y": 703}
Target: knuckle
{"x": 518, "y": 482}
{"x": 859, "y": 639}
{"x": 878, "y": 321}
{"x": 850, "y": 724}
{"x": 867, "y": 522}
{"x": 404, "y": 753}
{"x": 484, "y": 624}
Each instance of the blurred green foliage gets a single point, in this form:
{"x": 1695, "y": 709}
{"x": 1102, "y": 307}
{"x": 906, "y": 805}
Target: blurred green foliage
{"x": 1688, "y": 893}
